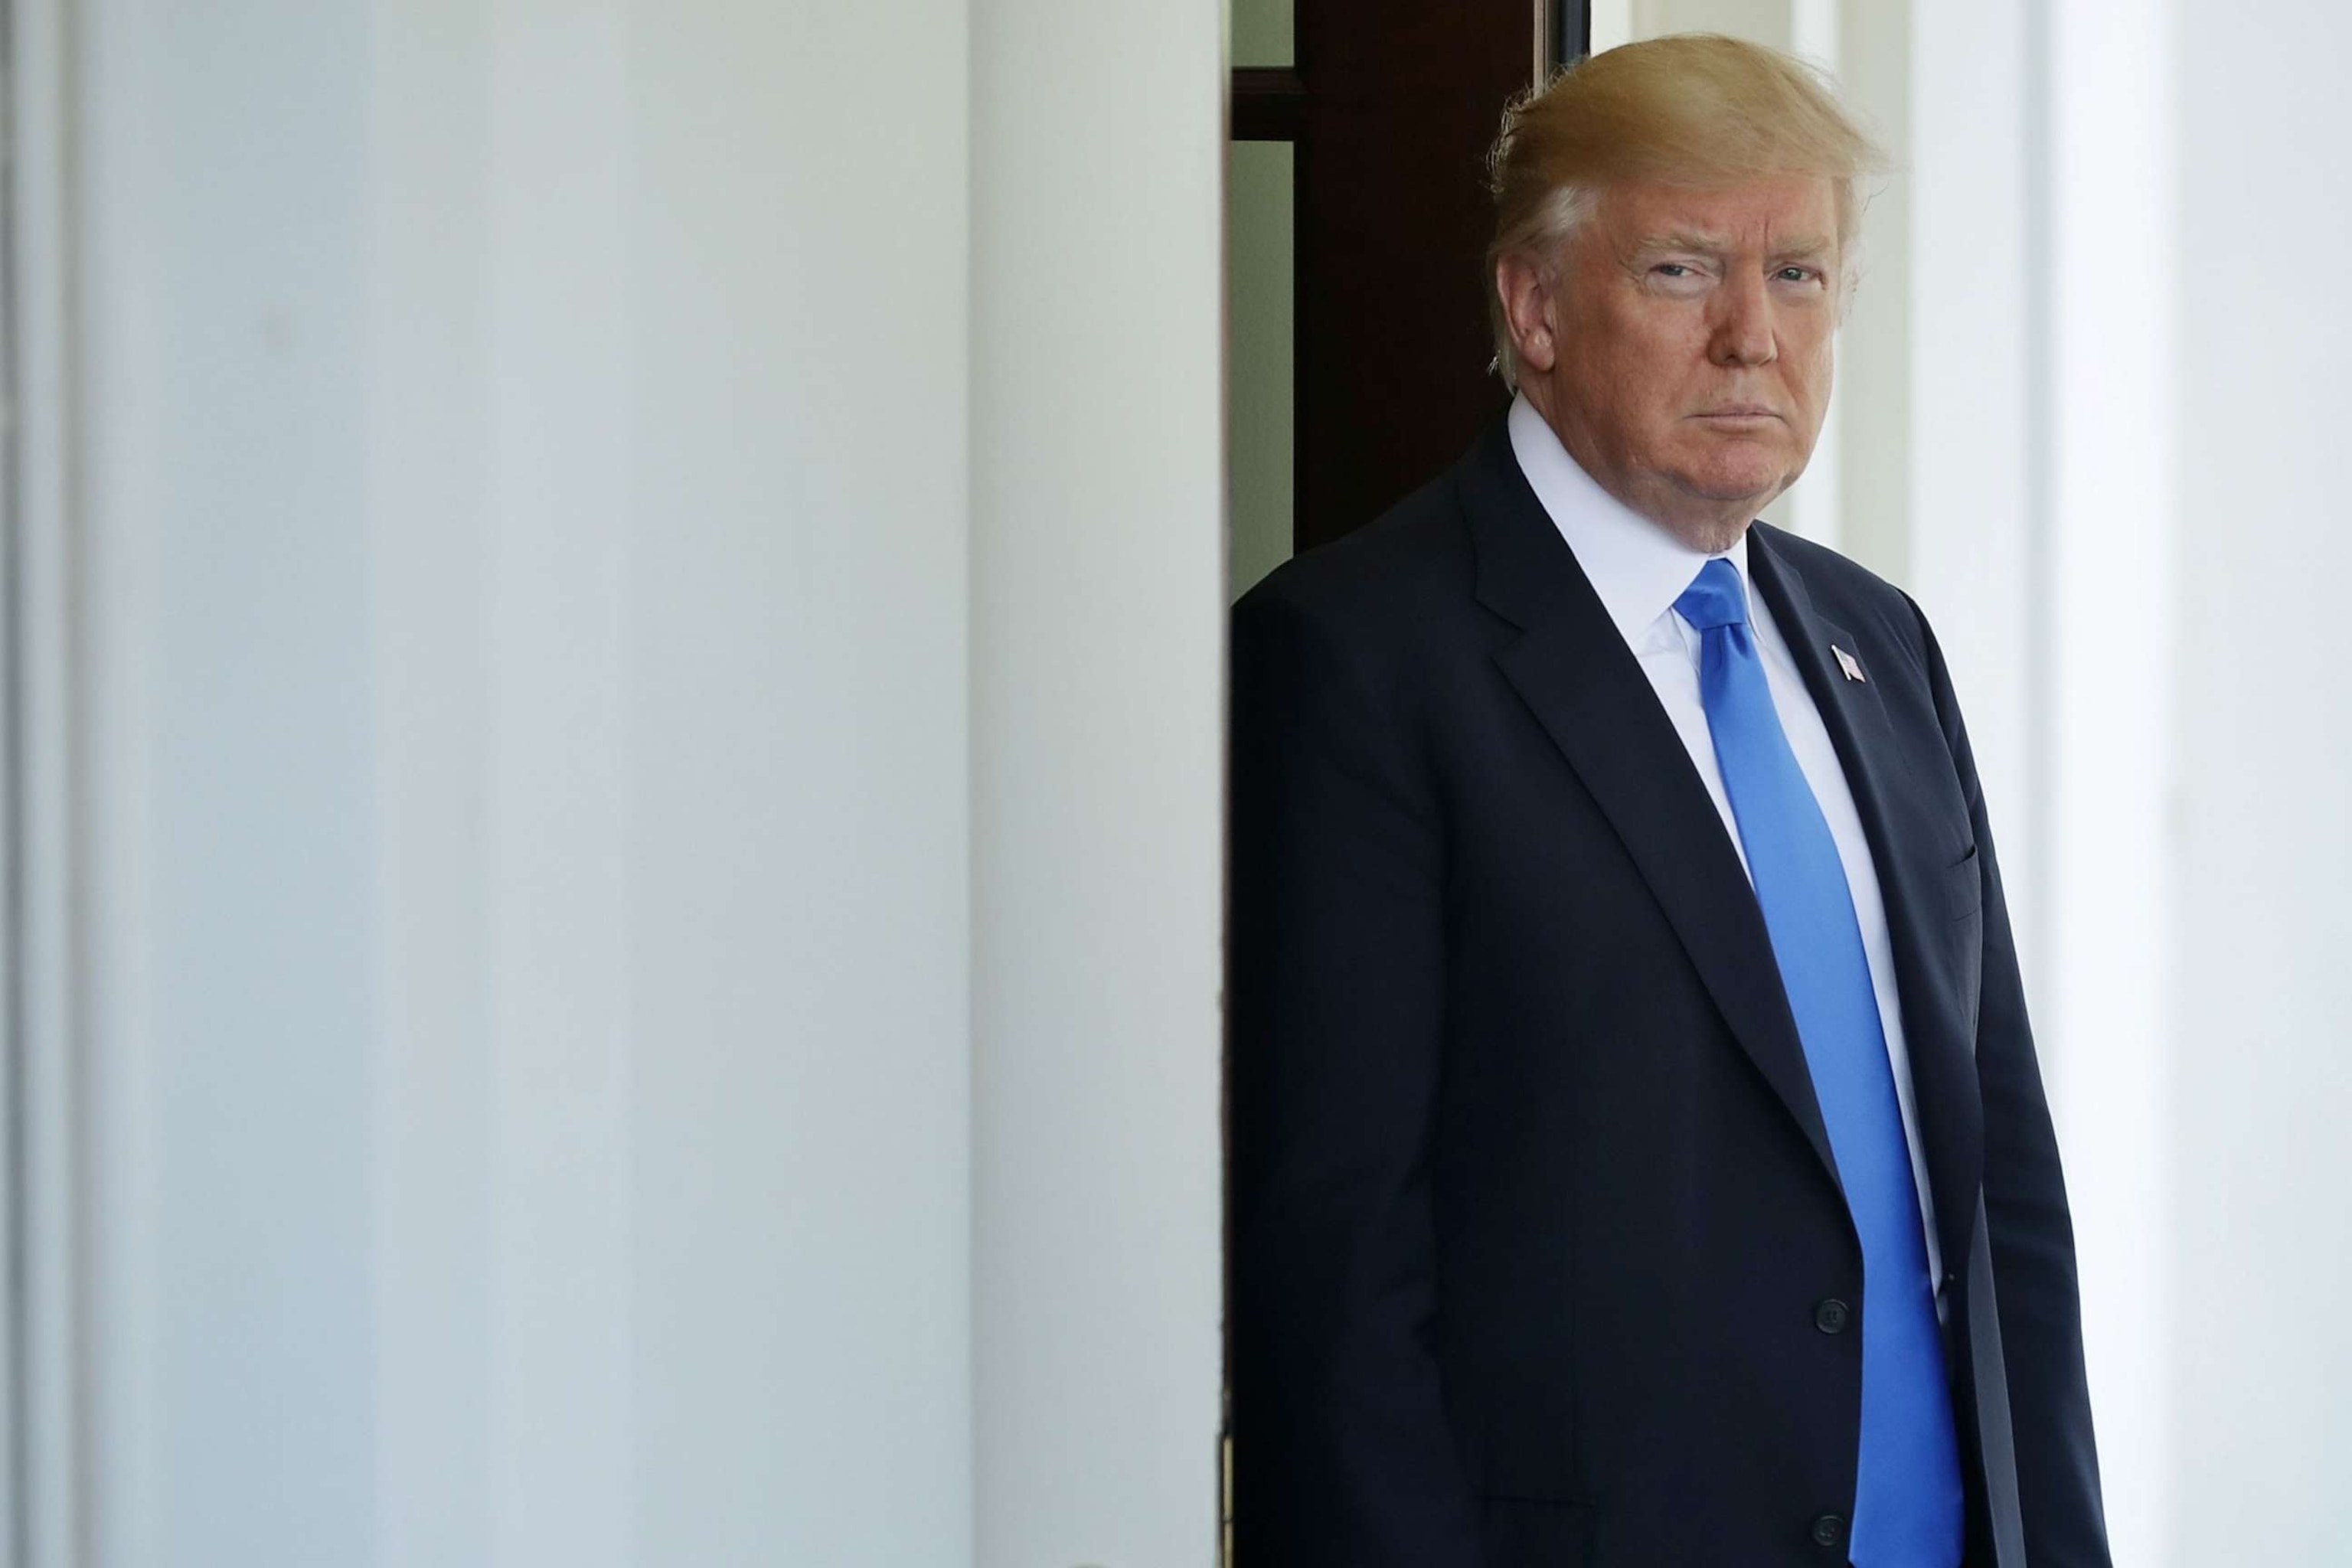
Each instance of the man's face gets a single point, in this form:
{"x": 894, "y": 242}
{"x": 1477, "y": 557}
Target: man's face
{"x": 1691, "y": 335}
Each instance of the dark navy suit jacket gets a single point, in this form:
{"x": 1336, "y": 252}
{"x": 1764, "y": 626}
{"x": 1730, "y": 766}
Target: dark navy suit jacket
{"x": 1535, "y": 1222}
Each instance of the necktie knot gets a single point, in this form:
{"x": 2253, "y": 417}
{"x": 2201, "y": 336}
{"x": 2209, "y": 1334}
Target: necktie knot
{"x": 1713, "y": 599}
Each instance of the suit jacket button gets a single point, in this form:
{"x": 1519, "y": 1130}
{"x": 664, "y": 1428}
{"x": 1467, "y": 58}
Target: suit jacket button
{"x": 1832, "y": 1316}
{"x": 1829, "y": 1531}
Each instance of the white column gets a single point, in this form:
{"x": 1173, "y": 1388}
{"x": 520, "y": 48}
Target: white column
{"x": 1097, "y": 606}
{"x": 526, "y": 783}
{"x": 439, "y": 1482}
{"x": 2108, "y": 1019}
{"x": 1612, "y": 23}
{"x": 1978, "y": 408}
{"x": 1760, "y": 21}
{"x": 1873, "y": 445}
{"x": 799, "y": 754}
{"x": 2257, "y": 987}
{"x": 556, "y": 566}
{"x": 1815, "y": 508}
{"x": 225, "y": 620}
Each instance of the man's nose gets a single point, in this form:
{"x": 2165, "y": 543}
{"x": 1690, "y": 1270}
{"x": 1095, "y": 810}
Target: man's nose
{"x": 1743, "y": 325}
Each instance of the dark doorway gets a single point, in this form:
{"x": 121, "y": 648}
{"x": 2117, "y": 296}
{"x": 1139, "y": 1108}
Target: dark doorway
{"x": 1378, "y": 120}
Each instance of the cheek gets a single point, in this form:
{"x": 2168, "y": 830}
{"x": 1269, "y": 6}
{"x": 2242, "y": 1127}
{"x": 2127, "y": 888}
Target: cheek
{"x": 1810, "y": 366}
{"x": 1642, "y": 364}
{"x": 1654, "y": 373}
{"x": 1817, "y": 394}
{"x": 1644, "y": 399}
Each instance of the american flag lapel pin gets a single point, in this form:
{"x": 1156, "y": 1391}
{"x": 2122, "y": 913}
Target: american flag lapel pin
{"x": 1846, "y": 662}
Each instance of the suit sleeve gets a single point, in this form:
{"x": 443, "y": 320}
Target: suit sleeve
{"x": 1342, "y": 1453}
{"x": 2030, "y": 1230}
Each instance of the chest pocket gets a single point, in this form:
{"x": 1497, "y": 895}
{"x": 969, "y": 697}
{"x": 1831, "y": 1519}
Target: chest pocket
{"x": 1964, "y": 886}
{"x": 1964, "y": 898}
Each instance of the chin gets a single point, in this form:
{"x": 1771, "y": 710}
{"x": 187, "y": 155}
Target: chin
{"x": 1741, "y": 470}
{"x": 1751, "y": 488}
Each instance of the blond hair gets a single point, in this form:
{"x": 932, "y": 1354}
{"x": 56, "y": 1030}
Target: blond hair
{"x": 1694, "y": 108}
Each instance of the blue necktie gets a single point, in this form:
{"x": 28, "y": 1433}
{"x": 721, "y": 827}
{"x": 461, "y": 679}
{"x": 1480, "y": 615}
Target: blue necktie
{"x": 1906, "y": 1511}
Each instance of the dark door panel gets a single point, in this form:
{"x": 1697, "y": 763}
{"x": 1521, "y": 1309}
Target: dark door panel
{"x": 1391, "y": 105}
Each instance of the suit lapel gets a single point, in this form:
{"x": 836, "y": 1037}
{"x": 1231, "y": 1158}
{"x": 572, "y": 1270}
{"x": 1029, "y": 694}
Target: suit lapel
{"x": 1908, "y": 860}
{"x": 1588, "y": 692}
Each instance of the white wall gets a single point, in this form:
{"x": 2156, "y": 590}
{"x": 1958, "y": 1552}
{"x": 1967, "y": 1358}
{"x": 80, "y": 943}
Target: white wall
{"x": 539, "y": 581}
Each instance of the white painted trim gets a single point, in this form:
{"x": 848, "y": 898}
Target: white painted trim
{"x": 1814, "y": 31}
{"x": 48, "y": 1514}
{"x": 1612, "y": 24}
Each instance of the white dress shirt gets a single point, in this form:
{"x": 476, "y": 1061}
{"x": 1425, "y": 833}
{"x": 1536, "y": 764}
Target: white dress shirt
{"x": 1638, "y": 570}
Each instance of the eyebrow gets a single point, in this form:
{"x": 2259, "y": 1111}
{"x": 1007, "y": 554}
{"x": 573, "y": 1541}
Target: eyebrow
{"x": 1803, "y": 245}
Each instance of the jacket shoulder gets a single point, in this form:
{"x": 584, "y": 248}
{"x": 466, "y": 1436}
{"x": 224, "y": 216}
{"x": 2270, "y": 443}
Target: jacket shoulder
{"x": 1851, "y": 594}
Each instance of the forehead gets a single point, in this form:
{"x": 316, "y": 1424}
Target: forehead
{"x": 1760, "y": 212}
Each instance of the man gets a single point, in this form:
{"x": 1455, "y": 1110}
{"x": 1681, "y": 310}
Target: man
{"x": 1639, "y": 1153}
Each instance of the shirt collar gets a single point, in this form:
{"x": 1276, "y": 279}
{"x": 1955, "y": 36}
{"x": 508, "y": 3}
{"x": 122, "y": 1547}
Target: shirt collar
{"x": 1638, "y": 568}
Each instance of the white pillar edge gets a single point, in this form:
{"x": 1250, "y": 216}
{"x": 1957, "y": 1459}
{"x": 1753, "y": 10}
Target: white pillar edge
{"x": 49, "y": 1417}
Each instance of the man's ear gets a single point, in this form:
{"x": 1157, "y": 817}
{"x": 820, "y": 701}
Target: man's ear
{"x": 1526, "y": 294}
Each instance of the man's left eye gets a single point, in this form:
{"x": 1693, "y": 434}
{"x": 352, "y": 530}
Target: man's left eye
{"x": 1796, "y": 275}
